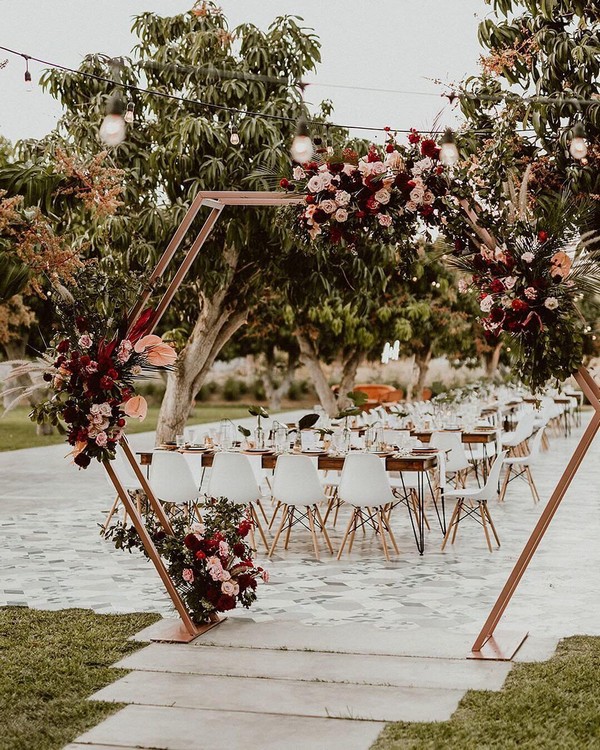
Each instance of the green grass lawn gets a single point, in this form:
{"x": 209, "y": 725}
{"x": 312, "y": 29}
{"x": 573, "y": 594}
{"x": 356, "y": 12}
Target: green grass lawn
{"x": 552, "y": 705}
{"x": 17, "y": 431}
{"x": 50, "y": 663}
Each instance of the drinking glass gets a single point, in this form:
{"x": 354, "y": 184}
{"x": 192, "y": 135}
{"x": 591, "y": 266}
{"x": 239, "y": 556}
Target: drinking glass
{"x": 180, "y": 440}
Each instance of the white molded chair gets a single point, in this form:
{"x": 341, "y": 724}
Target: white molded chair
{"x": 520, "y": 466}
{"x": 514, "y": 440}
{"x": 475, "y": 501}
{"x": 457, "y": 461}
{"x": 232, "y": 476}
{"x": 364, "y": 484}
{"x": 129, "y": 481}
{"x": 172, "y": 482}
{"x": 297, "y": 488}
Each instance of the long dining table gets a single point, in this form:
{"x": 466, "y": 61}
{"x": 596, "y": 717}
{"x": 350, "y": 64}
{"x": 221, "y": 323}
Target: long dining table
{"x": 421, "y": 464}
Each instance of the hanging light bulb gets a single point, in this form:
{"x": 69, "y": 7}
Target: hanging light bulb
{"x": 112, "y": 130}
{"x": 302, "y": 147}
{"x": 28, "y": 81}
{"x": 234, "y": 138}
{"x": 129, "y": 113}
{"x": 448, "y": 150}
{"x": 578, "y": 147}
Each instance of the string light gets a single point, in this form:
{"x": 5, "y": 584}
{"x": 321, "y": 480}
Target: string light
{"x": 112, "y": 130}
{"x": 234, "y": 138}
{"x": 28, "y": 81}
{"x": 302, "y": 147}
{"x": 129, "y": 113}
{"x": 578, "y": 147}
{"x": 448, "y": 151}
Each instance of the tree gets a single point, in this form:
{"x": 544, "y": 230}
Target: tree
{"x": 551, "y": 49}
{"x": 176, "y": 149}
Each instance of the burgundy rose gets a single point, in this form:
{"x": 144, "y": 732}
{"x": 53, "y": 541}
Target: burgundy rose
{"x": 199, "y": 555}
{"x": 225, "y": 602}
{"x": 372, "y": 205}
{"x": 159, "y": 536}
{"x": 542, "y": 235}
{"x": 360, "y": 214}
{"x": 245, "y": 580}
{"x": 70, "y": 414}
{"x": 63, "y": 346}
{"x": 320, "y": 216}
{"x": 497, "y": 315}
{"x": 239, "y": 549}
{"x": 82, "y": 460}
{"x": 310, "y": 199}
{"x": 426, "y": 211}
{"x": 244, "y": 528}
{"x": 413, "y": 136}
{"x": 112, "y": 373}
{"x": 191, "y": 541}
{"x": 81, "y": 323}
{"x": 106, "y": 383}
{"x": 429, "y": 148}
{"x": 496, "y": 286}
{"x": 335, "y": 235}
{"x": 335, "y": 167}
{"x": 47, "y": 376}
{"x": 284, "y": 183}
{"x": 519, "y": 305}
{"x": 372, "y": 154}
{"x": 389, "y": 148}
{"x": 85, "y": 360}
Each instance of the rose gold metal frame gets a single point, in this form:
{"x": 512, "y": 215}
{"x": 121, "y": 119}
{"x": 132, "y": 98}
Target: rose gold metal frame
{"x": 185, "y": 630}
{"x": 488, "y": 644}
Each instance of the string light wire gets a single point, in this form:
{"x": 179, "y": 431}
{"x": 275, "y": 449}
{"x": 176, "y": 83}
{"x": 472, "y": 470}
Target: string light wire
{"x": 282, "y": 118}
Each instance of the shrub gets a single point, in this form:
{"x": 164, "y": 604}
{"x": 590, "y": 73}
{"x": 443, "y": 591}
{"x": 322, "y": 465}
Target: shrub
{"x": 234, "y": 389}
{"x": 257, "y": 389}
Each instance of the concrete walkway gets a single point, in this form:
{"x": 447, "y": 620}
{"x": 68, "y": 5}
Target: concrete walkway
{"x": 331, "y": 650}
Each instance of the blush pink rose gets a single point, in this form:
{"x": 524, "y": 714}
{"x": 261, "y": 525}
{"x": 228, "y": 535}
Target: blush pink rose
{"x": 101, "y": 439}
{"x": 85, "y": 341}
{"x": 341, "y": 215}
{"x": 385, "y": 220}
{"x": 227, "y": 587}
{"x": 188, "y": 575}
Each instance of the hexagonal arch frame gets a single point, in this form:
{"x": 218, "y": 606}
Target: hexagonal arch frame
{"x": 185, "y": 630}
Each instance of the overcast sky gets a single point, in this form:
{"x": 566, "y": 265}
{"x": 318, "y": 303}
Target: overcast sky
{"x": 384, "y": 44}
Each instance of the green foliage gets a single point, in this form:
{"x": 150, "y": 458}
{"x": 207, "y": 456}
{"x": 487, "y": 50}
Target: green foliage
{"x": 234, "y": 389}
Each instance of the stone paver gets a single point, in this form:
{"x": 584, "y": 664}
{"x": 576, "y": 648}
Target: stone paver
{"x": 184, "y": 729}
{"x": 368, "y": 669}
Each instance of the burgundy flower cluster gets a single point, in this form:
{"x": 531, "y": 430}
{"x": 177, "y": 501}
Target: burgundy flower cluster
{"x": 385, "y": 192}
{"x": 521, "y": 290}
{"x": 93, "y": 381}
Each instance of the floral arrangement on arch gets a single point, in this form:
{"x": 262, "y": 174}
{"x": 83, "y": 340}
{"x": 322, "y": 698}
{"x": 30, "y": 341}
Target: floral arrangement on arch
{"x": 383, "y": 195}
{"x": 529, "y": 287}
{"x": 91, "y": 368}
{"x": 211, "y": 563}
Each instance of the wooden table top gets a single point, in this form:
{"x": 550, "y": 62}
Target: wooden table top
{"x": 478, "y": 437}
{"x": 412, "y": 462}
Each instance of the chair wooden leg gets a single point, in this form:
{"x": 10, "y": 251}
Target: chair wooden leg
{"x": 338, "y": 505}
{"x": 279, "y": 530}
{"x": 505, "y": 483}
{"x": 291, "y": 511}
{"x": 493, "y": 528}
{"x": 311, "y": 524}
{"x": 382, "y": 534}
{"x": 275, "y": 514}
{"x": 345, "y": 537}
{"x": 357, "y": 517}
{"x": 329, "y": 509}
{"x": 323, "y": 529}
{"x": 258, "y": 525}
{"x": 459, "y": 506}
{"x": 262, "y": 510}
{"x": 534, "y": 492}
{"x": 484, "y": 524}
{"x": 111, "y": 513}
{"x": 450, "y": 526}
{"x": 388, "y": 528}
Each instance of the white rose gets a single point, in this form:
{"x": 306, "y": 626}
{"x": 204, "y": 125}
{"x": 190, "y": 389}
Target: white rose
{"x": 486, "y": 303}
{"x": 326, "y": 179}
{"x": 342, "y": 198}
{"x": 411, "y": 206}
{"x": 428, "y": 197}
{"x": 315, "y": 184}
{"x": 341, "y": 215}
{"x": 416, "y": 194}
{"x": 527, "y": 257}
{"x": 348, "y": 169}
{"x": 383, "y": 196}
{"x": 227, "y": 587}
{"x": 377, "y": 167}
{"x": 298, "y": 173}
{"x": 551, "y": 303}
{"x": 394, "y": 161}
{"x": 328, "y": 206}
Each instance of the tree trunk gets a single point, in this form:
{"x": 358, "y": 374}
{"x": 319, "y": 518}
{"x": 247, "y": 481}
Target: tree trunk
{"x": 411, "y": 385}
{"x": 422, "y": 361}
{"x": 217, "y": 321}
{"x": 274, "y": 392}
{"x": 492, "y": 359}
{"x": 310, "y": 359}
